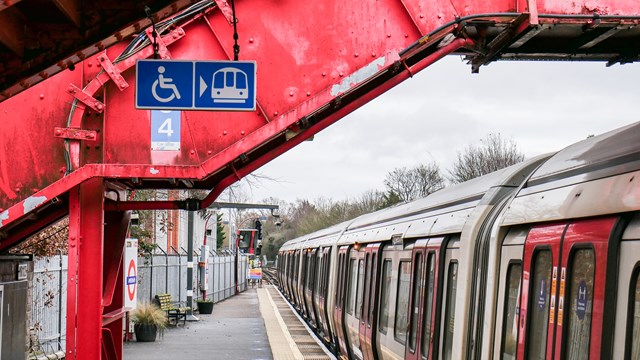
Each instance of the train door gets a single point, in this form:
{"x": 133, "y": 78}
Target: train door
{"x": 423, "y": 294}
{"x": 563, "y": 290}
{"x": 309, "y": 286}
{"x": 509, "y": 289}
{"x": 302, "y": 273}
{"x": 341, "y": 301}
{"x": 317, "y": 289}
{"x": 355, "y": 290}
{"x": 290, "y": 276}
{"x": 296, "y": 276}
{"x": 287, "y": 275}
{"x": 323, "y": 283}
{"x": 393, "y": 301}
{"x": 627, "y": 324}
{"x": 368, "y": 321}
{"x": 449, "y": 270}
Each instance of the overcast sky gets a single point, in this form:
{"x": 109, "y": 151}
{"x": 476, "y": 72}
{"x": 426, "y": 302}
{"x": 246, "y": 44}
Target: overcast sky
{"x": 543, "y": 106}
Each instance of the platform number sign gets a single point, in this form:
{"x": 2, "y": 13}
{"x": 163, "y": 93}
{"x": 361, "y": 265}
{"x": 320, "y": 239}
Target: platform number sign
{"x": 165, "y": 130}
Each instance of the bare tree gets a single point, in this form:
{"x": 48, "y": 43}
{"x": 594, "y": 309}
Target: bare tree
{"x": 410, "y": 184}
{"x": 494, "y": 153}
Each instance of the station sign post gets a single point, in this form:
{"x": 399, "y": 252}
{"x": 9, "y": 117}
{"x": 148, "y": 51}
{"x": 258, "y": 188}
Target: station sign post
{"x": 204, "y": 268}
{"x": 130, "y": 273}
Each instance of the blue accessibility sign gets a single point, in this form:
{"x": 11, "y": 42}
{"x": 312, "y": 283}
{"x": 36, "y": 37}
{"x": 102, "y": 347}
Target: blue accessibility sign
{"x": 196, "y": 85}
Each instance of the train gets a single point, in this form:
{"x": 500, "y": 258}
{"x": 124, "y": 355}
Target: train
{"x": 540, "y": 260}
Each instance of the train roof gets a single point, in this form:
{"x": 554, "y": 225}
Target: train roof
{"x": 593, "y": 177}
{"x": 447, "y": 211}
{"x": 443, "y": 212}
{"x": 324, "y": 236}
{"x": 607, "y": 154}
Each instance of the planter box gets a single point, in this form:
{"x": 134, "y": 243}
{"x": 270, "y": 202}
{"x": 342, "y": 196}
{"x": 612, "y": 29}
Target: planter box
{"x": 145, "y": 332}
{"x": 205, "y": 307}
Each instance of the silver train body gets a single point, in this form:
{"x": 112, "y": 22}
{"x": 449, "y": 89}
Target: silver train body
{"x": 540, "y": 260}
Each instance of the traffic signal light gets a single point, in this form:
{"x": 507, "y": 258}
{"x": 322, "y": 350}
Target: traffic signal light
{"x": 258, "y": 227}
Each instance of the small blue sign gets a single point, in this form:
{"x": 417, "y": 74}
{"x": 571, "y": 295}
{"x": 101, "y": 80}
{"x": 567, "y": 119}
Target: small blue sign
{"x": 581, "y": 301}
{"x": 542, "y": 295}
{"x": 131, "y": 280}
{"x": 225, "y": 85}
{"x": 196, "y": 85}
{"x": 164, "y": 84}
{"x": 165, "y": 130}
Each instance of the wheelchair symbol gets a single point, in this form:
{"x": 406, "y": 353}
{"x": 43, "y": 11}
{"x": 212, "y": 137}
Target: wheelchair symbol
{"x": 165, "y": 83}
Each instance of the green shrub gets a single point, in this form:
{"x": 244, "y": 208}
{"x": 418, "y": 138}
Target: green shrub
{"x": 150, "y": 314}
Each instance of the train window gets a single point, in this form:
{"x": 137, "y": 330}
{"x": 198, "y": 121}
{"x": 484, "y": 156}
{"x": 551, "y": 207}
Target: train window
{"x": 538, "y": 308}
{"x": 428, "y": 308}
{"x": 384, "y": 298}
{"x": 318, "y": 274}
{"x": 402, "y": 302}
{"x": 366, "y": 283}
{"x": 510, "y": 321}
{"x": 307, "y": 271}
{"x": 634, "y": 318}
{"x": 580, "y": 304}
{"x": 339, "y": 294}
{"x": 374, "y": 265}
{"x": 450, "y": 310}
{"x": 415, "y": 301}
{"x": 351, "y": 297}
{"x": 359, "y": 288}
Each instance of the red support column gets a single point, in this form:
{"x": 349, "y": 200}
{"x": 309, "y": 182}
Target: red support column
{"x": 115, "y": 232}
{"x": 72, "y": 272}
{"x": 84, "y": 297}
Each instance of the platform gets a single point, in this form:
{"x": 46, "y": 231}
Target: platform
{"x": 256, "y": 324}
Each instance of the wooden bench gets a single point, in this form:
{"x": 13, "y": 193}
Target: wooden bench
{"x": 174, "y": 309}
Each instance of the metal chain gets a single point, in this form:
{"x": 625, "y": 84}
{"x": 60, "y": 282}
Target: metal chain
{"x": 236, "y": 47}
{"x": 156, "y": 47}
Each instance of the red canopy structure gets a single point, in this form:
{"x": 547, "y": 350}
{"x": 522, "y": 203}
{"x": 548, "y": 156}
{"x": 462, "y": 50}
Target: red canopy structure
{"x": 72, "y": 141}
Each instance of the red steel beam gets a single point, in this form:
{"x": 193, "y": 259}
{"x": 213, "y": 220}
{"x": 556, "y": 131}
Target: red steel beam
{"x": 85, "y": 277}
{"x": 72, "y": 272}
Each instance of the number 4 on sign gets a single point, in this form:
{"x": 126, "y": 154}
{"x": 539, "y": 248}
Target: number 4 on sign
{"x": 165, "y": 130}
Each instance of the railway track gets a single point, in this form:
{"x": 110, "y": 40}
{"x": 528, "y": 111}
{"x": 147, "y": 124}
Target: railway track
{"x": 269, "y": 275}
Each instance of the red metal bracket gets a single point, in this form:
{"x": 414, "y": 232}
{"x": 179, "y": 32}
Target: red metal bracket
{"x": 162, "y": 46}
{"x": 75, "y": 134}
{"x": 112, "y": 71}
{"x": 225, "y": 9}
{"x": 85, "y": 98}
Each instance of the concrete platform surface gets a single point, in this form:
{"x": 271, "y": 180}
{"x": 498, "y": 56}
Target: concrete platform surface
{"x": 235, "y": 330}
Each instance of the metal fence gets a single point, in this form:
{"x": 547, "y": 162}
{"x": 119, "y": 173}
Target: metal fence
{"x": 49, "y": 298}
{"x": 168, "y": 274}
{"x": 158, "y": 273}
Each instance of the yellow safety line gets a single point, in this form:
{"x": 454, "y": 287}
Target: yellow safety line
{"x": 283, "y": 347}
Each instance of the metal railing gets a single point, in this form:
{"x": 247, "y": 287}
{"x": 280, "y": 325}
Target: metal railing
{"x": 157, "y": 273}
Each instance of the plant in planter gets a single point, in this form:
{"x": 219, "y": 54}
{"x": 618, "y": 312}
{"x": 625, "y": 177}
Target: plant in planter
{"x": 148, "y": 319}
{"x": 205, "y": 306}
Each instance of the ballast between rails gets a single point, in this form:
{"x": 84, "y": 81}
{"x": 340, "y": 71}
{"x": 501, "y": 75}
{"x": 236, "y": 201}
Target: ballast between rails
{"x": 538, "y": 260}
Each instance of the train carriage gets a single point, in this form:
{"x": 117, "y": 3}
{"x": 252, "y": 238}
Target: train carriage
{"x": 536, "y": 261}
